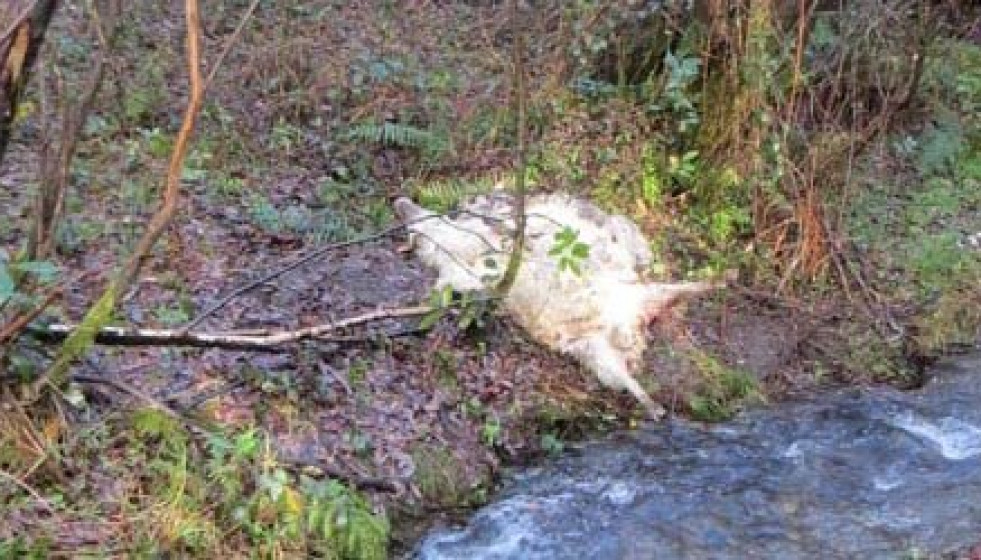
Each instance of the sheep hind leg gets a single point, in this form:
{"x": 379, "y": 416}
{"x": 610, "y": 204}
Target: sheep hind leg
{"x": 610, "y": 367}
{"x": 654, "y": 411}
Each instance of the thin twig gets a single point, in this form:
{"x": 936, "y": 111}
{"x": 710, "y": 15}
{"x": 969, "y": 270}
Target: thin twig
{"x": 359, "y": 482}
{"x": 317, "y": 253}
{"x": 206, "y": 396}
{"x": 229, "y": 44}
{"x": 124, "y": 387}
{"x": 27, "y": 488}
{"x": 517, "y": 249}
{"x": 18, "y": 324}
{"x": 284, "y": 269}
{"x": 51, "y": 199}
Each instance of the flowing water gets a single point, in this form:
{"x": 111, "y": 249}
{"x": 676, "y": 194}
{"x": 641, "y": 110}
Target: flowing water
{"x": 873, "y": 473}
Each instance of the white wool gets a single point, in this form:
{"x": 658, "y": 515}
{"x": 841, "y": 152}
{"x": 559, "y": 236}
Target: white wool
{"x": 597, "y": 316}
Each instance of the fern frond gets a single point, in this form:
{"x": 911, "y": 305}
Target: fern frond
{"x": 398, "y": 135}
{"x": 442, "y": 196}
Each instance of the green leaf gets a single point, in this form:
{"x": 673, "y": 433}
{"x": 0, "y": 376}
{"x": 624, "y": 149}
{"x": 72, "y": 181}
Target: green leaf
{"x": 430, "y": 319}
{"x": 446, "y": 296}
{"x": 563, "y": 239}
{"x": 6, "y": 284}
{"x": 467, "y": 317}
{"x": 44, "y": 270}
{"x": 580, "y": 251}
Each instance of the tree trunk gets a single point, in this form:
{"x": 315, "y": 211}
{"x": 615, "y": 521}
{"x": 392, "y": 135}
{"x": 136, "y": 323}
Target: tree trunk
{"x": 23, "y": 27}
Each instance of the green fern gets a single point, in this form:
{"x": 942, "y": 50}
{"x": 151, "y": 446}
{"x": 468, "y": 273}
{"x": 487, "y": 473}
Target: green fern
{"x": 399, "y": 136}
{"x": 442, "y": 196}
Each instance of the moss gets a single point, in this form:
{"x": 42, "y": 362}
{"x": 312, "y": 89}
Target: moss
{"x": 722, "y": 389}
{"x": 444, "y": 480}
{"x": 953, "y": 320}
{"x": 83, "y": 337}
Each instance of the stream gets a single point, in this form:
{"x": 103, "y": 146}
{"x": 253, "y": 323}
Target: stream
{"x": 856, "y": 473}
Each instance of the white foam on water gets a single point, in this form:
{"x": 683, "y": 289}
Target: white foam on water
{"x": 956, "y": 439}
{"x": 800, "y": 448}
{"x": 620, "y": 494}
{"x": 887, "y": 481}
{"x": 793, "y": 450}
{"x": 515, "y": 526}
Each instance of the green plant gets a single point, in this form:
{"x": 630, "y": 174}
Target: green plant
{"x": 285, "y": 136}
{"x": 676, "y": 100}
{"x": 326, "y": 225}
{"x": 652, "y": 183}
{"x": 445, "y": 194}
{"x": 552, "y": 444}
{"x": 941, "y": 146}
{"x": 722, "y": 389}
{"x": 227, "y": 186}
{"x": 683, "y": 169}
{"x": 719, "y": 213}
{"x": 446, "y": 368}
{"x": 14, "y": 272}
{"x": 430, "y": 144}
{"x": 19, "y": 547}
{"x": 472, "y": 307}
{"x": 490, "y": 432}
{"x": 569, "y": 251}
{"x": 443, "y": 479}
{"x": 357, "y": 373}
{"x": 360, "y": 442}
{"x": 235, "y": 486}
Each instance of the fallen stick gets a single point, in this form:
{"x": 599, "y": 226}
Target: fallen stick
{"x": 255, "y": 340}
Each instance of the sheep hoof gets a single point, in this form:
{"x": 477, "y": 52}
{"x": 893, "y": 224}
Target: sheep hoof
{"x": 655, "y": 412}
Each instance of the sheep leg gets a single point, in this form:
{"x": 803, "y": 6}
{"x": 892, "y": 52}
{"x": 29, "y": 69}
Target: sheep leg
{"x": 661, "y": 297}
{"x": 610, "y": 367}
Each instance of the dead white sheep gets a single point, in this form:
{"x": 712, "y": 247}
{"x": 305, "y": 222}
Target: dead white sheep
{"x": 597, "y": 316}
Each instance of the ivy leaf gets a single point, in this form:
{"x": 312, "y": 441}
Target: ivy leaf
{"x": 566, "y": 235}
{"x": 446, "y": 296}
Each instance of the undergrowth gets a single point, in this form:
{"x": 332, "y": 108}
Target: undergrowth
{"x": 921, "y": 226}
{"x": 175, "y": 491}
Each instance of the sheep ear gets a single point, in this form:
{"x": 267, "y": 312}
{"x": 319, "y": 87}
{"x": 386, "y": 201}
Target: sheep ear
{"x": 408, "y": 210}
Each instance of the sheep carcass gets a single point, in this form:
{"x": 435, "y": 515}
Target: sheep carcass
{"x": 597, "y": 316}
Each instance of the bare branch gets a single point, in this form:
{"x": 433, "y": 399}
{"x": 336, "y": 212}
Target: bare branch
{"x": 255, "y": 340}
{"x": 284, "y": 269}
